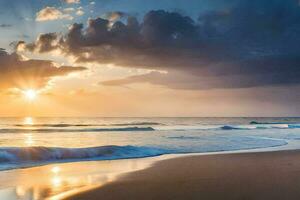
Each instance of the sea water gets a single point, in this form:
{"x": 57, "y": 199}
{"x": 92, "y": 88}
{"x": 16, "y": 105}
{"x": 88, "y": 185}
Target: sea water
{"x": 27, "y": 142}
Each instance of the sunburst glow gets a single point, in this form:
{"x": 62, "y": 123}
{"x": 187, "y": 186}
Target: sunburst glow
{"x": 30, "y": 94}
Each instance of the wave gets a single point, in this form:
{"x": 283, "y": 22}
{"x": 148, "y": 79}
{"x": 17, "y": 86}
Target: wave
{"x": 270, "y": 123}
{"x": 245, "y": 127}
{"x": 294, "y": 125}
{"x": 137, "y": 124}
{"x": 234, "y": 128}
{"x": 274, "y": 126}
{"x": 62, "y": 125}
{"x": 25, "y": 155}
{"x": 65, "y": 129}
{"x": 184, "y": 137}
{"x": 53, "y": 125}
{"x": 228, "y": 127}
{"x": 49, "y": 130}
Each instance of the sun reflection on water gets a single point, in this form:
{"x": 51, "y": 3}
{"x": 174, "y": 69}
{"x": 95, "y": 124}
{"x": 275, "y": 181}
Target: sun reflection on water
{"x": 28, "y": 121}
{"x": 29, "y": 141}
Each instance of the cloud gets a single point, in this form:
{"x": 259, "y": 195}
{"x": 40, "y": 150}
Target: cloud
{"x": 254, "y": 44}
{"x": 50, "y": 14}
{"x": 267, "y": 72}
{"x": 45, "y": 43}
{"x": 69, "y": 10}
{"x": 114, "y": 16}
{"x": 16, "y": 72}
{"x": 72, "y": 1}
{"x": 130, "y": 44}
{"x": 80, "y": 11}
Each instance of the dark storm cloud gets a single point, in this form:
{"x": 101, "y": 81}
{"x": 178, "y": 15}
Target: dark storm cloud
{"x": 128, "y": 44}
{"x": 18, "y": 73}
{"x": 255, "y": 43}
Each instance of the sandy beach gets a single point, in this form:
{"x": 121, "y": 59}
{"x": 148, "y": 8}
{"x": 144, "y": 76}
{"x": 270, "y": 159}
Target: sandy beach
{"x": 268, "y": 175}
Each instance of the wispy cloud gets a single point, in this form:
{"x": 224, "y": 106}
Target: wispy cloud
{"x": 80, "y": 11}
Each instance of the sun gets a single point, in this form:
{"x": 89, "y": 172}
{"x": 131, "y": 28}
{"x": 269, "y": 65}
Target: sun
{"x": 30, "y": 94}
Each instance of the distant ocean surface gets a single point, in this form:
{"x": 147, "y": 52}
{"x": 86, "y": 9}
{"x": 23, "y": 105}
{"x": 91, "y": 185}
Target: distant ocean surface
{"x": 26, "y": 142}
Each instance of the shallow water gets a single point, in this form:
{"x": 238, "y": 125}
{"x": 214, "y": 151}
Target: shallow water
{"x": 26, "y": 142}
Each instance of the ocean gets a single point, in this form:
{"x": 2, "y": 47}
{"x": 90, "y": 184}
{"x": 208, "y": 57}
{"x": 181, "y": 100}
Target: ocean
{"x": 28, "y": 142}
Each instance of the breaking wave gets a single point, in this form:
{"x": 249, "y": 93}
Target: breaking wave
{"x": 39, "y": 155}
{"x": 230, "y": 127}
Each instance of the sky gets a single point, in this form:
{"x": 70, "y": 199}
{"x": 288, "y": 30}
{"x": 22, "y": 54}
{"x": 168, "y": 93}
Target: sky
{"x": 162, "y": 58}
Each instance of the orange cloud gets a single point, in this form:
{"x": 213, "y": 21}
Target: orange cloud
{"x": 72, "y": 1}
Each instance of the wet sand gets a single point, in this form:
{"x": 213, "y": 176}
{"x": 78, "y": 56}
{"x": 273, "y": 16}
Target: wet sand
{"x": 242, "y": 176}
{"x": 54, "y": 181}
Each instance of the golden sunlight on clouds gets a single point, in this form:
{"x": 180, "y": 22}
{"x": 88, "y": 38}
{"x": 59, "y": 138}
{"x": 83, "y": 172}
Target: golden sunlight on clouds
{"x": 72, "y": 1}
{"x": 50, "y": 14}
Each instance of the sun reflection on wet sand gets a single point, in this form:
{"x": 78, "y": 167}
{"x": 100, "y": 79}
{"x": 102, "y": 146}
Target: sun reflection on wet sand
{"x": 60, "y": 180}
{"x": 56, "y": 181}
{"x": 55, "y": 169}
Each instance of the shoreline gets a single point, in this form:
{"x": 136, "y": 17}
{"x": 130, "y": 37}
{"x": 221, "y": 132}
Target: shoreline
{"x": 290, "y": 145}
{"x": 248, "y": 175}
{"x": 61, "y": 180}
